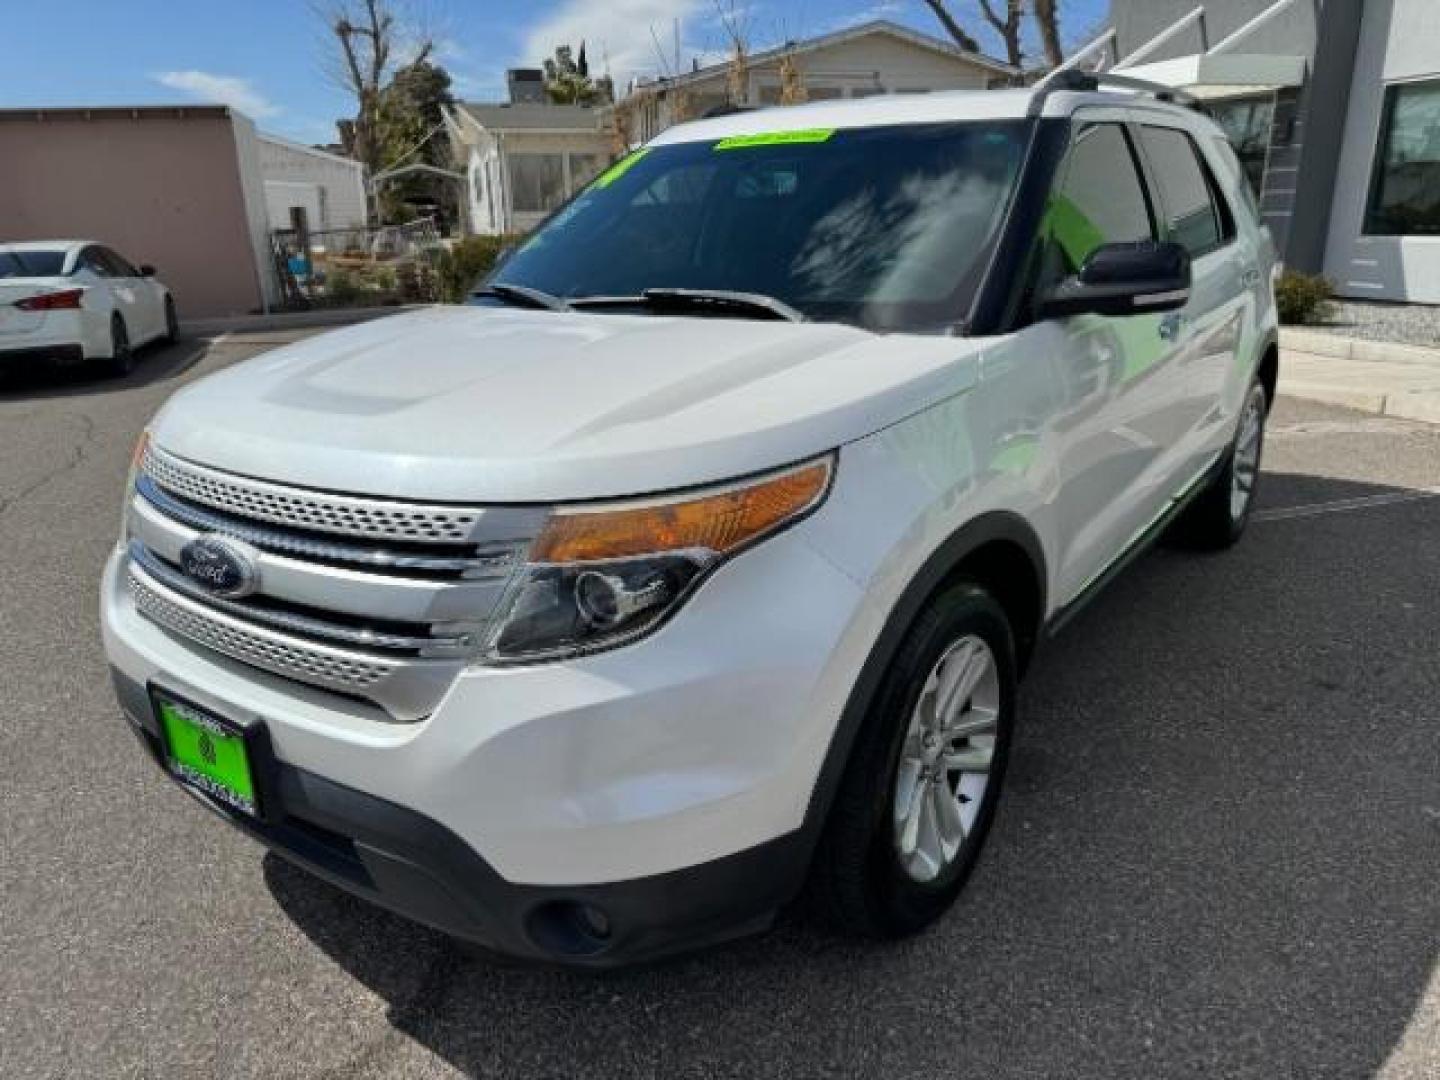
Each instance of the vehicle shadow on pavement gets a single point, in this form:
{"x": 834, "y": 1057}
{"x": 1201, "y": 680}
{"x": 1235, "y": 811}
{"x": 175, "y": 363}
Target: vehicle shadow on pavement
{"x": 153, "y": 364}
{"x": 1216, "y": 855}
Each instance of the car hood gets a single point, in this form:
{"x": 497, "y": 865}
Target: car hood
{"x": 469, "y": 404}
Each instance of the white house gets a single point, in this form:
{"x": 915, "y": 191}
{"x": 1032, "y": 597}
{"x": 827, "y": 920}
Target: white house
{"x": 878, "y": 57}
{"x": 523, "y": 160}
{"x": 329, "y": 187}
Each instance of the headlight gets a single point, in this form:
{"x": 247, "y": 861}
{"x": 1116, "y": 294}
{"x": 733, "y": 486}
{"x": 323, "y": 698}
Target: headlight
{"x": 137, "y": 459}
{"x": 599, "y": 576}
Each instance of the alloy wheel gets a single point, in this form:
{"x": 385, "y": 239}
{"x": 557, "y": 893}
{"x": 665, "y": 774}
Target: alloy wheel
{"x": 1246, "y": 465}
{"x": 943, "y": 775}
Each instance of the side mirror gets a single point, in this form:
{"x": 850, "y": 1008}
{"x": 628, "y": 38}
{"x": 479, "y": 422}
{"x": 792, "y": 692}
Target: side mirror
{"x": 146, "y": 270}
{"x": 1123, "y": 279}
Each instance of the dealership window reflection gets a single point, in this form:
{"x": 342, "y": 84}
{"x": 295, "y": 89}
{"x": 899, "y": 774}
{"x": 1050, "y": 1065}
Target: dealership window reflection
{"x": 1246, "y": 122}
{"x": 1405, "y": 190}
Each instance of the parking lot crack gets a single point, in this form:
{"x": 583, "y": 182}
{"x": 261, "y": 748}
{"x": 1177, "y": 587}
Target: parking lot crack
{"x": 73, "y": 459}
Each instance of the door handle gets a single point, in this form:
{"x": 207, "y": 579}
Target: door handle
{"x": 1169, "y": 327}
{"x": 1250, "y": 277}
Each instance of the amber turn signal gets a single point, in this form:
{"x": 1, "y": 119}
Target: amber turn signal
{"x": 718, "y": 523}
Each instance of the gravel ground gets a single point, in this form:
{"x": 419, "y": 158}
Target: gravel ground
{"x": 1216, "y": 856}
{"x": 1408, "y": 324}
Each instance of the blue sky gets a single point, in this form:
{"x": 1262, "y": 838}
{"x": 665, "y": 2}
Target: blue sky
{"x": 269, "y": 57}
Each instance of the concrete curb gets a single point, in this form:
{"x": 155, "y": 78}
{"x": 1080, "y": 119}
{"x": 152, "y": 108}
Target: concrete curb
{"x": 288, "y": 320}
{"x": 1314, "y": 343}
{"x": 1406, "y": 390}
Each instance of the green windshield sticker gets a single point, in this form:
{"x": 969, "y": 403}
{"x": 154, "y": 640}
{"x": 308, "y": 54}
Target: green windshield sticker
{"x": 775, "y": 138}
{"x": 620, "y": 168}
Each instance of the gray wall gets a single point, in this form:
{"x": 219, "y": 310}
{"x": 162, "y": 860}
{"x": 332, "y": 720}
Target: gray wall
{"x": 1137, "y": 21}
{"x": 1398, "y": 43}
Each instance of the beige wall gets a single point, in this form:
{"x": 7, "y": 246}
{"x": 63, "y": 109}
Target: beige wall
{"x": 160, "y": 189}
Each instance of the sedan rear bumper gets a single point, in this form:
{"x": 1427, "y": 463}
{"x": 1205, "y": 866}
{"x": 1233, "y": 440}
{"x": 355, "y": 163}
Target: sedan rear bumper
{"x": 70, "y": 353}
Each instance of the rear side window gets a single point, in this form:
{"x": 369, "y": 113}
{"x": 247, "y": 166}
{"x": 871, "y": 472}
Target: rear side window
{"x": 93, "y": 260}
{"x": 32, "y": 262}
{"x": 1236, "y": 174}
{"x": 1099, "y": 200}
{"x": 119, "y": 267}
{"x": 1188, "y": 204}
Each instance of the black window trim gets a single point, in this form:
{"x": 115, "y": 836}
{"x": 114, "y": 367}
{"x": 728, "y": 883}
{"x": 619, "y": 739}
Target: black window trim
{"x": 1225, "y": 214}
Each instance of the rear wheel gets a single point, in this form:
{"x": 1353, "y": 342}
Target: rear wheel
{"x": 172, "y": 324}
{"x": 121, "y": 361}
{"x": 921, "y": 786}
{"x": 1218, "y": 515}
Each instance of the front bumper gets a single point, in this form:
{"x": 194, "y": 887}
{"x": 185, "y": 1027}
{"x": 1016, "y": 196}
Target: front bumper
{"x": 412, "y": 865}
{"x": 666, "y": 784}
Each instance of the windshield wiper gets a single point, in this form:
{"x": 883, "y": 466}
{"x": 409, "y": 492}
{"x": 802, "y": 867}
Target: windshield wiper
{"x": 523, "y": 296}
{"x": 720, "y": 298}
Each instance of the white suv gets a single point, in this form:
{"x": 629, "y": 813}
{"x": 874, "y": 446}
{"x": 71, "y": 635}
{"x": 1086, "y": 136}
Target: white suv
{"x": 699, "y": 557}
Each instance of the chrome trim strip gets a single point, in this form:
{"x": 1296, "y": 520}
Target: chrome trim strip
{"x": 406, "y": 689}
{"x": 497, "y": 563}
{"x": 460, "y": 644}
{"x": 342, "y": 590}
{"x": 303, "y": 508}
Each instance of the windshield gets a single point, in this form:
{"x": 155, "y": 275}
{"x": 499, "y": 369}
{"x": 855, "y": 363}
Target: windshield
{"x": 887, "y": 228}
{"x": 31, "y": 262}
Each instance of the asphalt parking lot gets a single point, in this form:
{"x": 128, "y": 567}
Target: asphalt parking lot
{"x": 1218, "y": 854}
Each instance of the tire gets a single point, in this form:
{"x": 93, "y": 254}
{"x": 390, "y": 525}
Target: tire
{"x": 864, "y": 882}
{"x": 172, "y": 323}
{"x": 121, "y": 361}
{"x": 1217, "y": 517}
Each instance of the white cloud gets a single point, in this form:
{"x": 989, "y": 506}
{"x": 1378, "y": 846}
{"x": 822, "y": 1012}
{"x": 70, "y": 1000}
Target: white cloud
{"x": 622, "y": 32}
{"x": 885, "y": 9}
{"x": 221, "y": 90}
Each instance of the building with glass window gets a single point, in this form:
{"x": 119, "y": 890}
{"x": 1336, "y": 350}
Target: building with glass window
{"x": 1334, "y": 109}
{"x": 522, "y": 159}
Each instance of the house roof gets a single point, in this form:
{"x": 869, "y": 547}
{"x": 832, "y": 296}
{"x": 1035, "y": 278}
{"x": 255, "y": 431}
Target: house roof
{"x": 314, "y": 151}
{"x": 906, "y": 34}
{"x": 532, "y": 117}
{"x": 118, "y": 112}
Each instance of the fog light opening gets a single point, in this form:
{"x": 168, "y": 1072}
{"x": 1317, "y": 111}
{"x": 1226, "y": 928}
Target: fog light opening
{"x": 569, "y": 927}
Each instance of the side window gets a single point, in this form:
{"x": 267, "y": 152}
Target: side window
{"x": 119, "y": 267}
{"x": 1192, "y": 217}
{"x": 92, "y": 260}
{"x": 1098, "y": 200}
{"x": 1238, "y": 176}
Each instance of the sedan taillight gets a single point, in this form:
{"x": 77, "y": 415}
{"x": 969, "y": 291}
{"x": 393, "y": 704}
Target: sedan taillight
{"x": 66, "y": 300}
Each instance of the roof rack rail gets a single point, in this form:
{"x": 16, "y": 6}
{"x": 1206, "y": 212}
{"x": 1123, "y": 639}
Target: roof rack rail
{"x": 1077, "y": 81}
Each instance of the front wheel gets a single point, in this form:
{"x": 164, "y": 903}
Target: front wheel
{"x": 1218, "y": 515}
{"x": 922, "y": 782}
{"x": 172, "y": 323}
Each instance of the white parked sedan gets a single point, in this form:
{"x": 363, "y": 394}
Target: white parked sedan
{"x": 79, "y": 300}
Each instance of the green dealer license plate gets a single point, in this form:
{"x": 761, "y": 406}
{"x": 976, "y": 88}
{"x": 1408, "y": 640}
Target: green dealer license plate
{"x": 208, "y": 752}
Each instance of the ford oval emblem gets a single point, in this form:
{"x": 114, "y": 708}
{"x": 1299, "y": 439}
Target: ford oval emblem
{"x": 225, "y": 566}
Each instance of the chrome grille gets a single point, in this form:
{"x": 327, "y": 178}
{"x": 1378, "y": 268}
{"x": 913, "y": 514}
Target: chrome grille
{"x": 377, "y": 614}
{"x": 233, "y": 638}
{"x": 344, "y": 515}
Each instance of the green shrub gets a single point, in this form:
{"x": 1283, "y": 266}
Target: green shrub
{"x": 1303, "y": 298}
{"x": 342, "y": 288}
{"x": 461, "y": 267}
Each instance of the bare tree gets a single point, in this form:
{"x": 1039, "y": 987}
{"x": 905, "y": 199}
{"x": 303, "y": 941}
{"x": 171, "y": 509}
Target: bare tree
{"x": 737, "y": 35}
{"x": 1047, "y": 21}
{"x": 1008, "y": 27}
{"x": 367, "y": 36}
{"x": 952, "y": 26}
{"x": 792, "y": 81}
